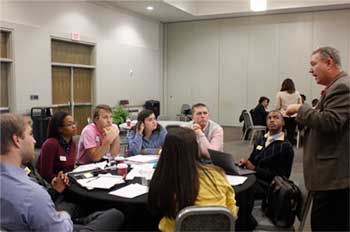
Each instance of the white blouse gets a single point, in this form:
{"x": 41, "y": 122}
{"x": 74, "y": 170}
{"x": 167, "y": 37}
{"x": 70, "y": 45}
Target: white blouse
{"x": 284, "y": 99}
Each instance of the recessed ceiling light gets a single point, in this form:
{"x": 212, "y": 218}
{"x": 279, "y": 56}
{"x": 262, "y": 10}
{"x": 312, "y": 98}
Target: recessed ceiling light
{"x": 258, "y": 5}
{"x": 150, "y": 8}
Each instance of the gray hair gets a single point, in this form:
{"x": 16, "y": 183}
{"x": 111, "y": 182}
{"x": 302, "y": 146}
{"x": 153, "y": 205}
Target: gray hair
{"x": 329, "y": 52}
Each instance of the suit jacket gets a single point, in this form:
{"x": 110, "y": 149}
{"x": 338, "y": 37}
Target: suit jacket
{"x": 326, "y": 147}
{"x": 274, "y": 160}
{"x": 259, "y": 115}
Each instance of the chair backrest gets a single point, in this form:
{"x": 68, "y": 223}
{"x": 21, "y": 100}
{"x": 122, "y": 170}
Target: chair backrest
{"x": 162, "y": 117}
{"x": 248, "y": 121}
{"x": 185, "y": 109}
{"x": 169, "y": 127}
{"x": 205, "y": 218}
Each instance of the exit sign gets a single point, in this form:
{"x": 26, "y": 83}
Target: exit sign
{"x": 75, "y": 36}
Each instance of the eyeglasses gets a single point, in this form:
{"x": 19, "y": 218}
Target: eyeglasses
{"x": 70, "y": 124}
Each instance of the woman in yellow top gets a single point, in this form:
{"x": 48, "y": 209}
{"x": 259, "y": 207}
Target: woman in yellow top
{"x": 180, "y": 180}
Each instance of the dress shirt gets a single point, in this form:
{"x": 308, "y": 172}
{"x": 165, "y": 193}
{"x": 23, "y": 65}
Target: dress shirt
{"x": 26, "y": 206}
{"x": 137, "y": 142}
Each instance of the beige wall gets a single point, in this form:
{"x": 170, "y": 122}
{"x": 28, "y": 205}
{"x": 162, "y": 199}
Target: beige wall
{"x": 123, "y": 42}
{"x": 230, "y": 63}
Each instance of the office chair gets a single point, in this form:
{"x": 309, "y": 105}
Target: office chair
{"x": 185, "y": 113}
{"x": 248, "y": 121}
{"x": 205, "y": 218}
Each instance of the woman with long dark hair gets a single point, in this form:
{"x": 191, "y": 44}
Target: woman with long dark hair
{"x": 180, "y": 180}
{"x": 58, "y": 152}
{"x": 147, "y": 136}
{"x": 286, "y": 96}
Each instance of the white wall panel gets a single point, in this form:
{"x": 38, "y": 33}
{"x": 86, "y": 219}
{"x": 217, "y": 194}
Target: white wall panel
{"x": 295, "y": 47}
{"x": 193, "y": 65}
{"x": 233, "y": 80}
{"x": 262, "y": 69}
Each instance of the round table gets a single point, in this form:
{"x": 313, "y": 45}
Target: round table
{"x": 135, "y": 209}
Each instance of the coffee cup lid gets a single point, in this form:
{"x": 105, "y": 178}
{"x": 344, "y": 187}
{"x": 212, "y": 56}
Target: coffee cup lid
{"x": 122, "y": 165}
{"x": 119, "y": 158}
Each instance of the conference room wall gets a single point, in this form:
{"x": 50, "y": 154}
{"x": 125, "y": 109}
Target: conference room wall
{"x": 124, "y": 41}
{"x": 230, "y": 63}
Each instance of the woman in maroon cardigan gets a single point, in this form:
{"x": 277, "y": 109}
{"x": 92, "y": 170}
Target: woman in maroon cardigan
{"x": 58, "y": 151}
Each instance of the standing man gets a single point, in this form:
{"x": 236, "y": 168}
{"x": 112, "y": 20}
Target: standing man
{"x": 210, "y": 135}
{"x": 326, "y": 149}
{"x": 99, "y": 137}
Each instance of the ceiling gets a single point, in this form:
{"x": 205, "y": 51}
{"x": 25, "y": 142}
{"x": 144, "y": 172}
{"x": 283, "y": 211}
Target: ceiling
{"x": 187, "y": 10}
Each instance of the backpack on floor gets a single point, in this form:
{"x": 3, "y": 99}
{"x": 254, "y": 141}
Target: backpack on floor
{"x": 282, "y": 202}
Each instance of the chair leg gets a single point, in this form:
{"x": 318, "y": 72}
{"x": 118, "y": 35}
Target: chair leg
{"x": 306, "y": 211}
{"x": 298, "y": 139}
{"x": 252, "y": 138}
{"x": 245, "y": 133}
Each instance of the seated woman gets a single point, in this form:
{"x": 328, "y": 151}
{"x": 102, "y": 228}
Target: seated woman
{"x": 58, "y": 152}
{"x": 147, "y": 136}
{"x": 180, "y": 180}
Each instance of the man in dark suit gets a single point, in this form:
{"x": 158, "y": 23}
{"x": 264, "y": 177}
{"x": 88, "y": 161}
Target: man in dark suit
{"x": 271, "y": 156}
{"x": 326, "y": 147}
{"x": 260, "y": 113}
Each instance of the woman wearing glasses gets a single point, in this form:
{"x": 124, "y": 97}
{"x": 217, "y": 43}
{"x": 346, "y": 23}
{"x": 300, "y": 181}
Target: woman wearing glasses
{"x": 58, "y": 152}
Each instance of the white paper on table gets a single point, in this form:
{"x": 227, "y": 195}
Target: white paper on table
{"x": 130, "y": 191}
{"x": 143, "y": 158}
{"x": 88, "y": 167}
{"x": 236, "y": 180}
{"x": 141, "y": 170}
{"x": 102, "y": 181}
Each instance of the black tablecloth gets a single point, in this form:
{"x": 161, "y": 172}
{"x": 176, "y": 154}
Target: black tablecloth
{"x": 135, "y": 209}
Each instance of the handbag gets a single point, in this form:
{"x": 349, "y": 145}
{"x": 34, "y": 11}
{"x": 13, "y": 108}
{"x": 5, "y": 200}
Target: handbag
{"x": 282, "y": 201}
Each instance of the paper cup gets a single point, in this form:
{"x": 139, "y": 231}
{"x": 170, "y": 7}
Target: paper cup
{"x": 128, "y": 122}
{"x": 122, "y": 169}
{"x": 119, "y": 159}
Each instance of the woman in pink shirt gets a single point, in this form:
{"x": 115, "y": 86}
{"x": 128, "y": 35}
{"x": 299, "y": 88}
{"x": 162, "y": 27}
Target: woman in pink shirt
{"x": 58, "y": 151}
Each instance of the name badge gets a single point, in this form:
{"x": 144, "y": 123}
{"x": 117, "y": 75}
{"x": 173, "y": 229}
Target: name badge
{"x": 27, "y": 170}
{"x": 97, "y": 139}
{"x": 63, "y": 158}
{"x": 259, "y": 147}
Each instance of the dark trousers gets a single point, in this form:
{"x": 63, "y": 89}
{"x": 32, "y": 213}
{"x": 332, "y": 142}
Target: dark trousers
{"x": 109, "y": 220}
{"x": 290, "y": 126}
{"x": 330, "y": 210}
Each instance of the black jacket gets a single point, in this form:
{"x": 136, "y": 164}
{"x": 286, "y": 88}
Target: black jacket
{"x": 274, "y": 160}
{"x": 259, "y": 115}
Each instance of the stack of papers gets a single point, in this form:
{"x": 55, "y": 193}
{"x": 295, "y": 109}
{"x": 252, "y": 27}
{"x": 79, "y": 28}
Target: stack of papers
{"x": 143, "y": 158}
{"x": 236, "y": 180}
{"x": 102, "y": 181}
{"x": 130, "y": 191}
{"x": 88, "y": 167}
